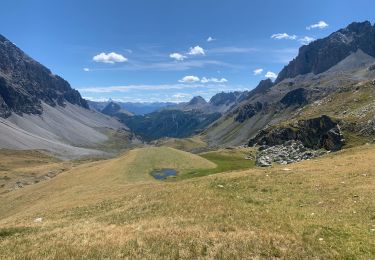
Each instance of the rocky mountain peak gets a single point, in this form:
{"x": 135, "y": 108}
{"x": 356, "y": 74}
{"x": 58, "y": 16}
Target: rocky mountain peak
{"x": 322, "y": 54}
{"x": 198, "y": 100}
{"x": 25, "y": 84}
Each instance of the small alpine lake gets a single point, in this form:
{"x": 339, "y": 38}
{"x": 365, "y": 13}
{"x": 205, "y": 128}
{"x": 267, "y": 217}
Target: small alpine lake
{"x": 163, "y": 173}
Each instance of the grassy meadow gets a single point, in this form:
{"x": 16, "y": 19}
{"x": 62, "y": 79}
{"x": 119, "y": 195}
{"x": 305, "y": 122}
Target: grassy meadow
{"x": 317, "y": 209}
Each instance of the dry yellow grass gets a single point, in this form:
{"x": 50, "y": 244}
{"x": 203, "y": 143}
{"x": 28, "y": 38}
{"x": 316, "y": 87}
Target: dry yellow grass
{"x": 27, "y": 167}
{"x": 319, "y": 209}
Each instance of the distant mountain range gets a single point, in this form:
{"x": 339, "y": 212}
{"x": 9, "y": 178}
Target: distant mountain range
{"x": 136, "y": 108}
{"x": 331, "y": 80}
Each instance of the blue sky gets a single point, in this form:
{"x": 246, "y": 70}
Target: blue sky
{"x": 159, "y": 50}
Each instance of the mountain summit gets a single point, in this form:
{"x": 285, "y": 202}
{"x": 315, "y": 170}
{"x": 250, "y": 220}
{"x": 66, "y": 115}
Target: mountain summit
{"x": 322, "y": 54}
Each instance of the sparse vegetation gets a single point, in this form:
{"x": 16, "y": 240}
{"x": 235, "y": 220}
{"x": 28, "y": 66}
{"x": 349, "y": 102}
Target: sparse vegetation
{"x": 322, "y": 208}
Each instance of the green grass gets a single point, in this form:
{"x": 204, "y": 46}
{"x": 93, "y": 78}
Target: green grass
{"x": 231, "y": 160}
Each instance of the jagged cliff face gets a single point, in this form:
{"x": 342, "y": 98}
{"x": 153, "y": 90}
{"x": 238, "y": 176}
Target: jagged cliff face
{"x": 321, "y": 55}
{"x": 25, "y": 84}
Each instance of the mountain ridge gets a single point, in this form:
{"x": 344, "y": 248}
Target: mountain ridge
{"x": 25, "y": 84}
{"x": 322, "y": 54}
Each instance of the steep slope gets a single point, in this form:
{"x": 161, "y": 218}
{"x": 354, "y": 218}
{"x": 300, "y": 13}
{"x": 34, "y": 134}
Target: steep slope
{"x": 25, "y": 84}
{"x": 271, "y": 105}
{"x": 321, "y": 55}
{"x": 40, "y": 110}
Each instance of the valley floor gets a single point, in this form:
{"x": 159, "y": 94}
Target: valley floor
{"x": 318, "y": 209}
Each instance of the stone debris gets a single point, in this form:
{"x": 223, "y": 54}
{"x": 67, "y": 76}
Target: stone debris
{"x": 289, "y": 152}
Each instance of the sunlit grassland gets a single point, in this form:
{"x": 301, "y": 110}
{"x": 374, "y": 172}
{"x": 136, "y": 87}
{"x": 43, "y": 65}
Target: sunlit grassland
{"x": 225, "y": 160}
{"x": 318, "y": 209}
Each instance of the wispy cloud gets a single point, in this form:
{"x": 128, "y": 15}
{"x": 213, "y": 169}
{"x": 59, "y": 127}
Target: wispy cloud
{"x": 177, "y": 56}
{"x": 258, "y": 71}
{"x": 182, "y": 95}
{"x": 213, "y": 80}
{"x": 231, "y": 49}
{"x": 169, "y": 66}
{"x": 126, "y": 88}
{"x": 86, "y": 69}
{"x": 109, "y": 58}
{"x": 318, "y": 25}
{"x": 283, "y": 36}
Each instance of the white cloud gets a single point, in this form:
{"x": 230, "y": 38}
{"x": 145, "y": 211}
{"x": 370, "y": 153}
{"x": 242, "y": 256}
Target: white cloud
{"x": 281, "y": 36}
{"x": 197, "y": 50}
{"x": 177, "y": 56}
{"x": 271, "y": 75}
{"x": 109, "y": 58}
{"x": 213, "y": 80}
{"x": 189, "y": 79}
{"x": 210, "y": 39}
{"x": 306, "y": 40}
{"x": 258, "y": 71}
{"x": 318, "y": 25}
{"x": 86, "y": 69}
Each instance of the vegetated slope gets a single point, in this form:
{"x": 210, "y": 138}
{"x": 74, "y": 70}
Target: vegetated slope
{"x": 190, "y": 144}
{"x": 300, "y": 212}
{"x": 21, "y": 168}
{"x": 39, "y": 110}
{"x": 276, "y": 104}
{"x": 86, "y": 182}
{"x": 168, "y": 123}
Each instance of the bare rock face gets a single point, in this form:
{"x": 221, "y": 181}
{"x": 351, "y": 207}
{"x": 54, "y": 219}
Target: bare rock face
{"x": 248, "y": 111}
{"x": 25, "y": 84}
{"x": 297, "y": 97}
{"x": 321, "y": 55}
{"x": 316, "y": 133}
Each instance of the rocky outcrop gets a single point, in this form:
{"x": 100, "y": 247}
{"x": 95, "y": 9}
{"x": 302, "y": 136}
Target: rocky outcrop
{"x": 289, "y": 152}
{"x": 297, "y": 97}
{"x": 25, "y": 84}
{"x": 262, "y": 88}
{"x": 248, "y": 111}
{"x": 316, "y": 133}
{"x": 321, "y": 55}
